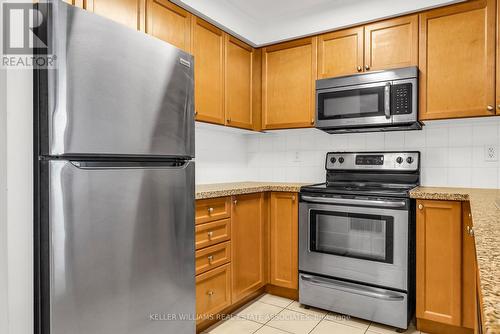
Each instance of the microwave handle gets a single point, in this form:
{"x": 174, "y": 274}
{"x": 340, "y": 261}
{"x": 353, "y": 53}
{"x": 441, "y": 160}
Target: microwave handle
{"x": 387, "y": 100}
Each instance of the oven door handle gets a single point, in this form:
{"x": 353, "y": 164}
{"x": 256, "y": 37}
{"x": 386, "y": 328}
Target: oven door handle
{"x": 353, "y": 201}
{"x": 353, "y": 288}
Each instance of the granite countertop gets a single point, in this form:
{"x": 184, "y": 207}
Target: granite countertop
{"x": 485, "y": 209}
{"x": 238, "y": 188}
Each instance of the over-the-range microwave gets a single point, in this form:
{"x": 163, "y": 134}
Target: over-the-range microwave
{"x": 368, "y": 102}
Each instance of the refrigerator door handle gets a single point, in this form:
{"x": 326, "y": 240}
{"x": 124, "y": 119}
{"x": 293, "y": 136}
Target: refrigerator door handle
{"x": 130, "y": 164}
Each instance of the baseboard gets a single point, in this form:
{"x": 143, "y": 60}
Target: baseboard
{"x": 433, "y": 327}
{"x": 282, "y": 292}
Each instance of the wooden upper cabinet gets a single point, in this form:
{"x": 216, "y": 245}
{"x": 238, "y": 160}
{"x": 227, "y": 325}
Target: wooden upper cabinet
{"x": 457, "y": 61}
{"x": 288, "y": 84}
{"x": 284, "y": 240}
{"x": 238, "y": 83}
{"x": 498, "y": 59}
{"x": 439, "y": 256}
{"x": 76, "y": 3}
{"x": 391, "y": 43}
{"x": 340, "y": 53}
{"x": 127, "y": 12}
{"x": 208, "y": 51}
{"x": 169, "y": 22}
{"x": 248, "y": 246}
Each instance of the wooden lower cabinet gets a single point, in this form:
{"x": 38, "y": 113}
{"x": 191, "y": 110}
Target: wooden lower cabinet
{"x": 213, "y": 291}
{"x": 212, "y": 233}
{"x": 248, "y": 246}
{"x": 445, "y": 268}
{"x": 212, "y": 257}
{"x": 284, "y": 231}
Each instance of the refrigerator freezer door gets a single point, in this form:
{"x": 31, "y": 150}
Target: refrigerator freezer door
{"x": 121, "y": 248}
{"x": 115, "y": 91}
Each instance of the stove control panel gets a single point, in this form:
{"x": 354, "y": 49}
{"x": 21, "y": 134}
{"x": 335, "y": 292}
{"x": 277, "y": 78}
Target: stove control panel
{"x": 404, "y": 161}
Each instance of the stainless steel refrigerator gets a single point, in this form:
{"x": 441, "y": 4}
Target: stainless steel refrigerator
{"x": 114, "y": 139}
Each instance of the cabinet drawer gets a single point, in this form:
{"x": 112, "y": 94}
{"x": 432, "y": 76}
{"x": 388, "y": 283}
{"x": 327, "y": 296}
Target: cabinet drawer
{"x": 213, "y": 292}
{"x": 212, "y": 257}
{"x": 208, "y": 210}
{"x": 213, "y": 233}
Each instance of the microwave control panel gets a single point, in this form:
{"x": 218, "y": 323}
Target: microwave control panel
{"x": 401, "y": 99}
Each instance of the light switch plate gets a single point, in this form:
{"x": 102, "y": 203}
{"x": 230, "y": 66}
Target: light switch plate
{"x": 491, "y": 153}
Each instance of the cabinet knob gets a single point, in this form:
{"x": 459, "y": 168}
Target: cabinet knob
{"x": 312, "y": 121}
{"x": 210, "y": 234}
{"x": 210, "y": 259}
{"x": 490, "y": 108}
{"x": 210, "y": 210}
{"x": 498, "y": 106}
{"x": 210, "y": 293}
{"x": 229, "y": 120}
{"x": 420, "y": 206}
{"x": 470, "y": 230}
{"x": 359, "y": 68}
{"x": 367, "y": 67}
{"x": 235, "y": 201}
{"x": 293, "y": 198}
{"x": 196, "y": 113}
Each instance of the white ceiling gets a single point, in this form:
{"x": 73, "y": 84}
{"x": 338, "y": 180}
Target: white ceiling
{"x": 262, "y": 22}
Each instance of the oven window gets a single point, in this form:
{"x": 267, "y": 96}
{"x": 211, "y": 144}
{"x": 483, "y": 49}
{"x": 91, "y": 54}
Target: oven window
{"x": 353, "y": 103}
{"x": 361, "y": 236}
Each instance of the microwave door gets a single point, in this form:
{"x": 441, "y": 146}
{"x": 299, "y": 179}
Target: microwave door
{"x": 354, "y": 106}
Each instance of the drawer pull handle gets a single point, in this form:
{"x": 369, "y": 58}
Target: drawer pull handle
{"x": 210, "y": 259}
{"x": 420, "y": 206}
{"x": 210, "y": 210}
{"x": 470, "y": 230}
{"x": 235, "y": 201}
{"x": 210, "y": 293}
{"x": 210, "y": 234}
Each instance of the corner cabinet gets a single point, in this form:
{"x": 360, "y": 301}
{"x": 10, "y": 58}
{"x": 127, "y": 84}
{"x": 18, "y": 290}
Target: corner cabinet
{"x": 169, "y": 22}
{"x": 288, "y": 84}
{"x": 127, "y": 12}
{"x": 239, "y": 66}
{"x": 445, "y": 267}
{"x": 284, "y": 240}
{"x": 457, "y": 61}
{"x": 208, "y": 51}
{"x": 248, "y": 245}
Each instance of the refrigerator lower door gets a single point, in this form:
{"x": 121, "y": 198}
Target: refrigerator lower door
{"x": 115, "y": 91}
{"x": 121, "y": 244}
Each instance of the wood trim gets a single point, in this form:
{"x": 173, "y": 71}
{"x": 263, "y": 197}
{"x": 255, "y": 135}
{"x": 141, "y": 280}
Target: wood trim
{"x": 497, "y": 25}
{"x": 257, "y": 90}
{"x": 313, "y": 41}
{"x": 429, "y": 326}
{"x": 356, "y": 31}
{"x": 490, "y": 84}
{"x": 398, "y": 21}
{"x": 174, "y": 8}
{"x": 227, "y": 40}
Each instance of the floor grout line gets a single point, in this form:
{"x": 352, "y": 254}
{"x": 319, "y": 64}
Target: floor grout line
{"x": 323, "y": 318}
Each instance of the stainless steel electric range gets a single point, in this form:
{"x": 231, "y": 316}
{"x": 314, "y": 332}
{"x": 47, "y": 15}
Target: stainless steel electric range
{"x": 357, "y": 237}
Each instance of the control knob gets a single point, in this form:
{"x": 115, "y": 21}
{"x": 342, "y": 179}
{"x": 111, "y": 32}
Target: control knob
{"x": 399, "y": 160}
{"x": 409, "y": 160}
{"x": 333, "y": 160}
{"x": 341, "y": 160}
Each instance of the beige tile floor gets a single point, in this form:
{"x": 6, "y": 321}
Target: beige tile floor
{"x": 276, "y": 315}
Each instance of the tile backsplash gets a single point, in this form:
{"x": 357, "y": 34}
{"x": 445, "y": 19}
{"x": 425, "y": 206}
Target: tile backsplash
{"x": 453, "y": 153}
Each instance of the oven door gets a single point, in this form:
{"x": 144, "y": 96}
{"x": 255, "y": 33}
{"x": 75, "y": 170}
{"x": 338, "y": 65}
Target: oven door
{"x": 354, "y": 106}
{"x": 358, "y": 239}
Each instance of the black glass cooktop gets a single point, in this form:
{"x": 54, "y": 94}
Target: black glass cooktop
{"x": 360, "y": 189}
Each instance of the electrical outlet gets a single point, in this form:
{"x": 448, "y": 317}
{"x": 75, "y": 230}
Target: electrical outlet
{"x": 297, "y": 157}
{"x": 491, "y": 153}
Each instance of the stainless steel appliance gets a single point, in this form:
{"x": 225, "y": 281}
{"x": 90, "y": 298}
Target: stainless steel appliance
{"x": 357, "y": 235}
{"x": 114, "y": 231}
{"x": 374, "y": 101}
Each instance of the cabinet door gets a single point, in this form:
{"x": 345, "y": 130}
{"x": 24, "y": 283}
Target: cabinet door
{"x": 392, "y": 43}
{"x": 288, "y": 84}
{"x": 457, "y": 61}
{"x": 247, "y": 243}
{"x": 238, "y": 83}
{"x": 169, "y": 22}
{"x": 498, "y": 59}
{"x": 340, "y": 53}
{"x": 208, "y": 51}
{"x": 127, "y": 12}
{"x": 439, "y": 257}
{"x": 213, "y": 292}
{"x": 468, "y": 270}
{"x": 284, "y": 240}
